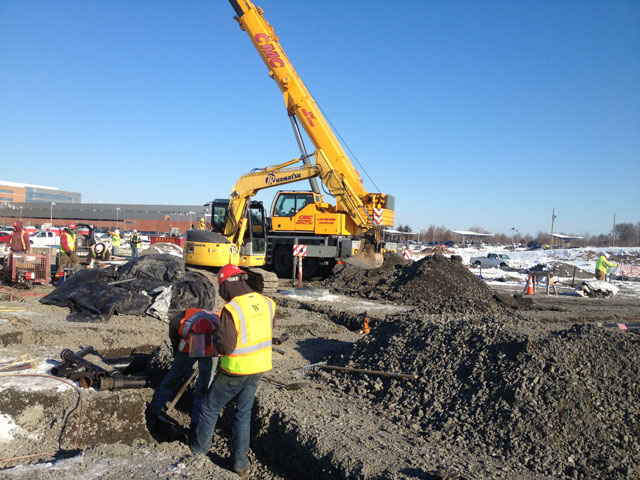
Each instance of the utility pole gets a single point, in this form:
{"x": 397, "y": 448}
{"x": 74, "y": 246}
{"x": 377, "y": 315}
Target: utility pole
{"x": 553, "y": 219}
{"x": 613, "y": 237}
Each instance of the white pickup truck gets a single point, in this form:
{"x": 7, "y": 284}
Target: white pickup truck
{"x": 44, "y": 238}
{"x": 491, "y": 260}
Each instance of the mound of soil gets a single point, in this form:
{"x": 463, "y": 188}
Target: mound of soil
{"x": 435, "y": 284}
{"x": 560, "y": 403}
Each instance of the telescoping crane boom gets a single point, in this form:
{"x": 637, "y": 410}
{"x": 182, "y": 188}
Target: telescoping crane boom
{"x": 370, "y": 211}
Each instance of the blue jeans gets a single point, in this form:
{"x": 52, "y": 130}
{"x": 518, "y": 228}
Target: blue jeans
{"x": 113, "y": 250}
{"x": 134, "y": 251}
{"x": 178, "y": 374}
{"x": 223, "y": 389}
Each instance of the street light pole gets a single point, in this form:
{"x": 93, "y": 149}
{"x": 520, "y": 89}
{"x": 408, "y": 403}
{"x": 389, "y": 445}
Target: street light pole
{"x": 20, "y": 213}
{"x": 553, "y": 219}
{"x": 51, "y": 214}
{"x": 117, "y": 215}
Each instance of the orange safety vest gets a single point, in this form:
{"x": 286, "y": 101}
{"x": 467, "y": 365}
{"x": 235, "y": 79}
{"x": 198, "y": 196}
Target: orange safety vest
{"x": 191, "y": 317}
{"x": 253, "y": 316}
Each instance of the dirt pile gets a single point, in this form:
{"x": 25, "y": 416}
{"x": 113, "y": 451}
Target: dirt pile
{"x": 435, "y": 284}
{"x": 560, "y": 404}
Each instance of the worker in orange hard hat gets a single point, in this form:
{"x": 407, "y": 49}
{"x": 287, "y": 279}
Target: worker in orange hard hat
{"x": 244, "y": 340}
{"x": 68, "y": 248}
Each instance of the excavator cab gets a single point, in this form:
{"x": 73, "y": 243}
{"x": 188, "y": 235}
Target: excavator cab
{"x": 253, "y": 225}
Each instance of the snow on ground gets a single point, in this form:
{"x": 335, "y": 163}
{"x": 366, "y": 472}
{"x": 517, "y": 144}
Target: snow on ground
{"x": 521, "y": 260}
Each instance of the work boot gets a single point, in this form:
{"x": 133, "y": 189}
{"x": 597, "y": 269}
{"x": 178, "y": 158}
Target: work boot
{"x": 151, "y": 420}
{"x": 244, "y": 473}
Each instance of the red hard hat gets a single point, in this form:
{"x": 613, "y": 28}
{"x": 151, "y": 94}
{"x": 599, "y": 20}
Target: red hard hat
{"x": 228, "y": 271}
{"x": 71, "y": 225}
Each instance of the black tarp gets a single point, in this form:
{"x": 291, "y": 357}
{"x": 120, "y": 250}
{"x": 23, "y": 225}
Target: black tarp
{"x": 90, "y": 297}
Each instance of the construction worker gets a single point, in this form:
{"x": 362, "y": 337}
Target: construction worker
{"x": 203, "y": 224}
{"x": 115, "y": 241}
{"x": 135, "y": 243}
{"x": 244, "y": 341}
{"x": 19, "y": 241}
{"x": 601, "y": 266}
{"x": 192, "y": 338}
{"x": 68, "y": 248}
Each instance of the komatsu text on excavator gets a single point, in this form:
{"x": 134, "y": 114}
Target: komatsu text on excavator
{"x": 242, "y": 234}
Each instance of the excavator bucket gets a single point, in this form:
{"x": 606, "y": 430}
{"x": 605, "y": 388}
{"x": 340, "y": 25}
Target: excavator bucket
{"x": 366, "y": 257}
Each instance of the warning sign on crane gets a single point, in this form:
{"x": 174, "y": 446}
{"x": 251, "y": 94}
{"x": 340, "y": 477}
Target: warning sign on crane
{"x": 299, "y": 250}
{"x": 377, "y": 216}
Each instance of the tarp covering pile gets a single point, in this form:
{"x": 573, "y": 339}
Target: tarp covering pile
{"x": 93, "y": 296}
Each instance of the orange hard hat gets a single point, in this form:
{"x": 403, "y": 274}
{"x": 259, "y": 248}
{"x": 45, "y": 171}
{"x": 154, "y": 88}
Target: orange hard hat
{"x": 71, "y": 226}
{"x": 228, "y": 271}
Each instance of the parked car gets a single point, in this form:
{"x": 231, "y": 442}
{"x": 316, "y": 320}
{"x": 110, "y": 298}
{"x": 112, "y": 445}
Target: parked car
{"x": 5, "y": 236}
{"x": 491, "y": 260}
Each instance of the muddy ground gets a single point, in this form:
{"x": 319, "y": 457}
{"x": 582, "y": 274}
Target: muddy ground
{"x": 507, "y": 386}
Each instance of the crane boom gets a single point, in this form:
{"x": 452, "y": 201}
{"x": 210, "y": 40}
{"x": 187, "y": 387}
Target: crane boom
{"x": 370, "y": 211}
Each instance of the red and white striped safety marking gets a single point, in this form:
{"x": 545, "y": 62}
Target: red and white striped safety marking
{"x": 377, "y": 216}
{"x": 405, "y": 254}
{"x": 299, "y": 250}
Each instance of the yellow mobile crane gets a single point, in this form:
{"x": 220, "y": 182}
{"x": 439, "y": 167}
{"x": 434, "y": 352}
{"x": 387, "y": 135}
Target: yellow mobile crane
{"x": 241, "y": 234}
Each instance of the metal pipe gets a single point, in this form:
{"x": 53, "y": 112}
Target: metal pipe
{"x": 121, "y": 382}
{"x": 71, "y": 357}
{"x": 409, "y": 376}
{"x": 67, "y": 367}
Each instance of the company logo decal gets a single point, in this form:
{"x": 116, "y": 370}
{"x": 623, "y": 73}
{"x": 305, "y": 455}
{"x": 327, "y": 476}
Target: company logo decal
{"x": 269, "y": 51}
{"x": 272, "y": 179}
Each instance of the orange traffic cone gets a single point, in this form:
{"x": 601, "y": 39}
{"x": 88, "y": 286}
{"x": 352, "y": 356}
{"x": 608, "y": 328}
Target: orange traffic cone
{"x": 365, "y": 326}
{"x": 530, "y": 290}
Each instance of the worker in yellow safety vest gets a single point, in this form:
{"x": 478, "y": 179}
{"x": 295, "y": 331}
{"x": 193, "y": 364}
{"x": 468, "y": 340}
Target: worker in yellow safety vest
{"x": 244, "y": 340}
{"x": 68, "y": 248}
{"x": 203, "y": 224}
{"x": 115, "y": 241}
{"x": 601, "y": 266}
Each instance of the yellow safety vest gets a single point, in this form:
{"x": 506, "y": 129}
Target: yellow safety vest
{"x": 115, "y": 239}
{"x": 253, "y": 318}
{"x": 602, "y": 264}
{"x": 71, "y": 241}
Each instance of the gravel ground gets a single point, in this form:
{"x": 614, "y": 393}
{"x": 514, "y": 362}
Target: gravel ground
{"x": 507, "y": 387}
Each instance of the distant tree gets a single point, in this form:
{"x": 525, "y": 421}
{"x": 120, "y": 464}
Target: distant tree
{"x": 626, "y": 234}
{"x": 478, "y": 230}
{"x": 404, "y": 228}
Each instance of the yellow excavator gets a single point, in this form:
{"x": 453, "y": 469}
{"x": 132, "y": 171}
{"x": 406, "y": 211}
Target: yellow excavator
{"x": 241, "y": 233}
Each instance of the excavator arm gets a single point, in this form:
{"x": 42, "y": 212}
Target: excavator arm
{"x": 251, "y": 183}
{"x": 370, "y": 211}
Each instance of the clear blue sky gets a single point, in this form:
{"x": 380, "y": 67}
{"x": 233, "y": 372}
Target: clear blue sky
{"x": 471, "y": 113}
